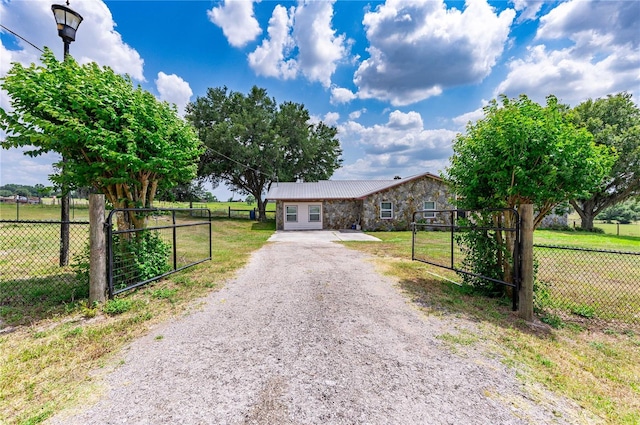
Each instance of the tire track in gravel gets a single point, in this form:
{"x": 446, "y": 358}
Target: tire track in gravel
{"x": 310, "y": 333}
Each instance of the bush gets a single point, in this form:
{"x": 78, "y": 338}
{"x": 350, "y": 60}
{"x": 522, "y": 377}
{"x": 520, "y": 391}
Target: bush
{"x": 144, "y": 253}
{"x": 482, "y": 254}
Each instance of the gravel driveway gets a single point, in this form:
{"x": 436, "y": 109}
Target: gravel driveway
{"x": 310, "y": 333}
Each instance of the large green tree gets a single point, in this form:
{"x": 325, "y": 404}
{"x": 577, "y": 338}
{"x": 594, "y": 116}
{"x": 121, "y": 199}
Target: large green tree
{"x": 252, "y": 142}
{"x": 114, "y": 137}
{"x": 524, "y": 153}
{"x": 614, "y": 122}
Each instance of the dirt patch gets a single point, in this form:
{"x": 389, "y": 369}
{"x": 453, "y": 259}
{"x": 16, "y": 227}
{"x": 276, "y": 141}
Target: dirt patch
{"x": 310, "y": 333}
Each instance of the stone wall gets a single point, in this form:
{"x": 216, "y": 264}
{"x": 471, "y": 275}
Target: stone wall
{"x": 554, "y": 220}
{"x": 341, "y": 213}
{"x": 406, "y": 198}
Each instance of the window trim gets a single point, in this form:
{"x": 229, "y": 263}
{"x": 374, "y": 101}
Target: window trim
{"x": 429, "y": 214}
{"x": 386, "y": 210}
{"x": 287, "y": 214}
{"x": 319, "y": 213}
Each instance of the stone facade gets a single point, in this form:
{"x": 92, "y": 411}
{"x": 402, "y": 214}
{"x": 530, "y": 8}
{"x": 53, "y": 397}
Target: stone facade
{"x": 554, "y": 220}
{"x": 341, "y": 213}
{"x": 406, "y": 199}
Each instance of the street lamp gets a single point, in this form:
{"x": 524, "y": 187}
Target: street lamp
{"x": 68, "y": 22}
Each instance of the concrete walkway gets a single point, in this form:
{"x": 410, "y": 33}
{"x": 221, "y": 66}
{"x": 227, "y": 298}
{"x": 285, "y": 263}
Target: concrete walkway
{"x": 320, "y": 236}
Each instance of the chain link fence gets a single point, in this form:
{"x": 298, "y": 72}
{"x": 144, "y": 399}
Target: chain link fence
{"x": 30, "y": 271}
{"x": 588, "y": 283}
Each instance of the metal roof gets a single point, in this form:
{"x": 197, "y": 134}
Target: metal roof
{"x": 334, "y": 189}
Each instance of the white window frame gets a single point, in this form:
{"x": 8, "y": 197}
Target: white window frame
{"x": 287, "y": 214}
{"x": 386, "y": 213}
{"x": 318, "y": 213}
{"x": 432, "y": 207}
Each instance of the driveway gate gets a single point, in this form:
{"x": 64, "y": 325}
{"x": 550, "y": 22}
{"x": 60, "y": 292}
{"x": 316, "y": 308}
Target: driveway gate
{"x": 172, "y": 240}
{"x": 438, "y": 239}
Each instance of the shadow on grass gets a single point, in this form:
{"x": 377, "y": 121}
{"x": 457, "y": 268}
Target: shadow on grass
{"x": 27, "y": 300}
{"x": 446, "y": 299}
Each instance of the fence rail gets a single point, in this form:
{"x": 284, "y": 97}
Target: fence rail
{"x": 590, "y": 283}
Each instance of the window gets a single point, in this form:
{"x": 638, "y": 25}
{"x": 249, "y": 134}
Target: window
{"x": 386, "y": 210}
{"x": 314, "y": 213}
{"x": 292, "y": 213}
{"x": 429, "y": 205}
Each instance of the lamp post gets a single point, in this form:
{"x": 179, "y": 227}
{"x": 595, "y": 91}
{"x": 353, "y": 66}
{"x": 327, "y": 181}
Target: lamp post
{"x": 67, "y": 21}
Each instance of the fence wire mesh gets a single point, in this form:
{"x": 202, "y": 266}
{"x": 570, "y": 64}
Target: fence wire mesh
{"x": 30, "y": 271}
{"x": 172, "y": 240}
{"x": 593, "y": 284}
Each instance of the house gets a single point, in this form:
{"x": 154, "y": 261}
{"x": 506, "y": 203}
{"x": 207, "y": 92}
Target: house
{"x": 367, "y": 204}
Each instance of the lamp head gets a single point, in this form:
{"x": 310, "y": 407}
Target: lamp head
{"x": 68, "y": 22}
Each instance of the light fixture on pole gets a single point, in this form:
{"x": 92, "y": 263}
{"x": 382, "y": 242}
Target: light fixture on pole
{"x": 67, "y": 21}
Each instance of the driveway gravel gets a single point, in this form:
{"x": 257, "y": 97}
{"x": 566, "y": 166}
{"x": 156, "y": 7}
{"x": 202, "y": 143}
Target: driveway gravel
{"x": 309, "y": 333}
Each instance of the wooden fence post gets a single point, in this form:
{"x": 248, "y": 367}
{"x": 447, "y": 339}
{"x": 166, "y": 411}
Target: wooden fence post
{"x": 98, "y": 251}
{"x": 525, "y": 303}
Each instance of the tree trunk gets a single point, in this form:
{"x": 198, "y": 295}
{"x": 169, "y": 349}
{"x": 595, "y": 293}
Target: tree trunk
{"x": 586, "y": 211}
{"x": 262, "y": 216}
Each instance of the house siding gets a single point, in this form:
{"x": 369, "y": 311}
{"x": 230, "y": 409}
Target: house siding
{"x": 406, "y": 198}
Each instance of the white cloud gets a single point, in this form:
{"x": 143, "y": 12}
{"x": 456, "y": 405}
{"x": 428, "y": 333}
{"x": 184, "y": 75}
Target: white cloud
{"x": 357, "y": 114}
{"x": 174, "y": 89}
{"x": 18, "y": 168}
{"x": 602, "y": 59}
{"x": 463, "y": 120}
{"x": 528, "y": 9}
{"x": 402, "y": 147}
{"x": 300, "y": 40}
{"x": 331, "y": 118}
{"x": 96, "y": 39}
{"x": 237, "y": 20}
{"x": 270, "y": 58}
{"x": 419, "y": 48}
{"x": 341, "y": 95}
{"x": 319, "y": 48}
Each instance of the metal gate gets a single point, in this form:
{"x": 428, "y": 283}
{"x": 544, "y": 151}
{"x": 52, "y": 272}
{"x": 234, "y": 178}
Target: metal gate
{"x": 439, "y": 240}
{"x": 172, "y": 240}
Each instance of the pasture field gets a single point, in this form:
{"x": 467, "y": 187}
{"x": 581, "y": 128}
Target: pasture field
{"x": 79, "y": 209}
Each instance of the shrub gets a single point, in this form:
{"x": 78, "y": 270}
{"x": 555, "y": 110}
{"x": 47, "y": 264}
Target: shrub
{"x": 144, "y": 254}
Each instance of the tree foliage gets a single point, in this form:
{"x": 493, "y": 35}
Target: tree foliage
{"x": 525, "y": 153}
{"x": 614, "y": 122}
{"x": 116, "y": 138}
{"x": 623, "y": 212}
{"x": 252, "y": 141}
{"x": 522, "y": 153}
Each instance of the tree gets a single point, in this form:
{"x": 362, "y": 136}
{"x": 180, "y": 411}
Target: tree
{"x": 119, "y": 139}
{"x": 523, "y": 153}
{"x": 252, "y": 142}
{"x": 623, "y": 212}
{"x": 183, "y": 192}
{"x": 614, "y": 122}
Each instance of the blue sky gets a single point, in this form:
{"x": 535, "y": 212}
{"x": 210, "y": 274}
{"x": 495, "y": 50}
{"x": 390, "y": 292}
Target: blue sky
{"x": 398, "y": 78}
